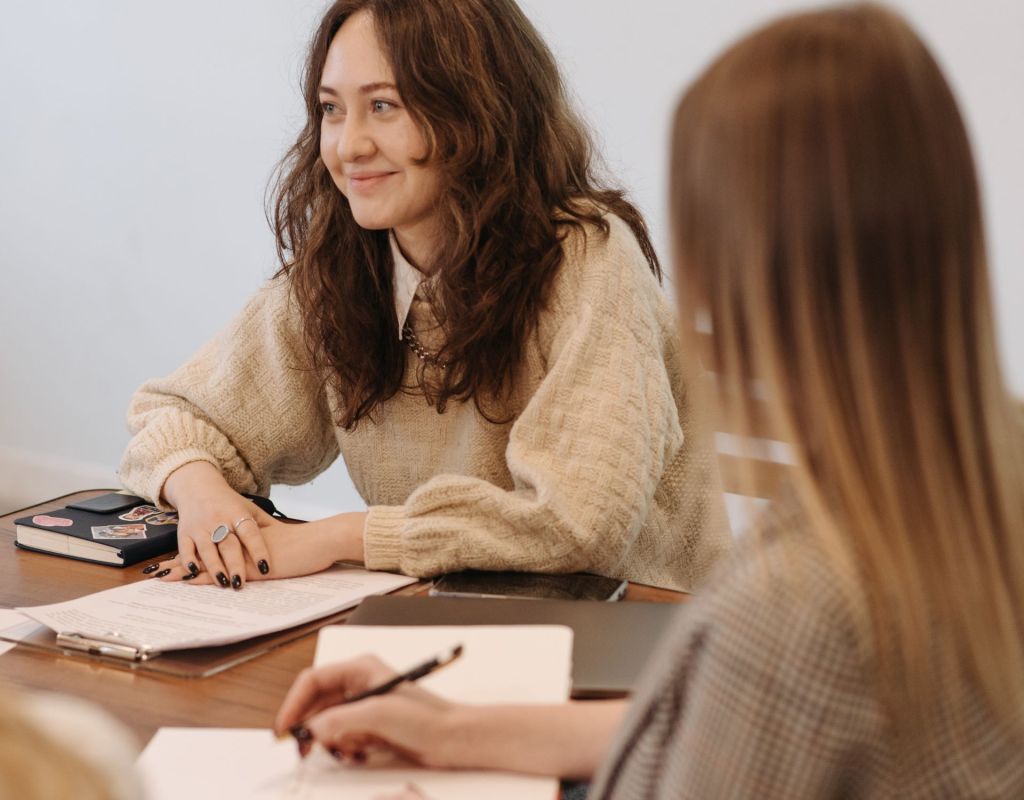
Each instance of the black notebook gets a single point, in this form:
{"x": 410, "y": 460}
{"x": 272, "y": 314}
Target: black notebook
{"x": 115, "y": 528}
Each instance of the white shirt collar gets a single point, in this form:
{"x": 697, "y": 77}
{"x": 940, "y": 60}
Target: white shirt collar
{"x": 407, "y": 280}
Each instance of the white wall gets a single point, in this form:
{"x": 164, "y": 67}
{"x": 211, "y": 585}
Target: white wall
{"x": 136, "y": 140}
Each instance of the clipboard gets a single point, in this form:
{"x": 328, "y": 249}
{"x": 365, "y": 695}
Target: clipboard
{"x": 197, "y": 662}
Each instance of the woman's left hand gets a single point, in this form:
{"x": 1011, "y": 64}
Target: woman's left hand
{"x": 294, "y": 548}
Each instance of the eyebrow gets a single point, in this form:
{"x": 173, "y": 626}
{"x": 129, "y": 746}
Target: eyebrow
{"x": 367, "y": 88}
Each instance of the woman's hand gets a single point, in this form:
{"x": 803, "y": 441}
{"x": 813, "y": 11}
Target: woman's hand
{"x": 568, "y": 740}
{"x": 292, "y": 549}
{"x": 409, "y": 720}
{"x": 257, "y": 545}
{"x": 204, "y": 502}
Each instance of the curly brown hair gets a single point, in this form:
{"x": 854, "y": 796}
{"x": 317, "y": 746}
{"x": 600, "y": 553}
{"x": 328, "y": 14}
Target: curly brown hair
{"x": 517, "y": 170}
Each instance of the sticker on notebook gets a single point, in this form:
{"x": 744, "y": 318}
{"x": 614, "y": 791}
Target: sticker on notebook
{"x": 139, "y": 512}
{"x": 52, "y": 522}
{"x": 163, "y": 518}
{"x": 136, "y": 531}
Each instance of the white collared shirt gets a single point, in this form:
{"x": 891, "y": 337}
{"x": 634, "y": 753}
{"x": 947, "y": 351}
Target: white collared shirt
{"x": 407, "y": 280}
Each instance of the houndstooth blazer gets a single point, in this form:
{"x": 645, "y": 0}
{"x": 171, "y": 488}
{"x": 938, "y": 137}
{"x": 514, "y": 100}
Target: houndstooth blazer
{"x": 760, "y": 693}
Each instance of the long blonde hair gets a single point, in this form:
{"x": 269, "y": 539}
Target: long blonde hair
{"x": 827, "y": 218}
{"x": 34, "y": 766}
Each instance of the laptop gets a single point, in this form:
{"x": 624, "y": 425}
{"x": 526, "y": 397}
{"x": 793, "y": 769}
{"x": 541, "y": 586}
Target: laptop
{"x": 612, "y": 642}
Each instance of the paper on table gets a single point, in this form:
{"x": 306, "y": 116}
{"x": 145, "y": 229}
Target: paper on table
{"x": 499, "y": 663}
{"x": 156, "y": 616}
{"x": 238, "y": 762}
{"x": 506, "y": 663}
{"x": 13, "y": 628}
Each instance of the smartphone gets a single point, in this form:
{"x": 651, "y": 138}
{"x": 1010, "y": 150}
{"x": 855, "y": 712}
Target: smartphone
{"x": 109, "y": 503}
{"x": 576, "y": 586}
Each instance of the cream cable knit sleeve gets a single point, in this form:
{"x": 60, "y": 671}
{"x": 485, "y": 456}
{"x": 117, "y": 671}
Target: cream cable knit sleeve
{"x": 247, "y": 402}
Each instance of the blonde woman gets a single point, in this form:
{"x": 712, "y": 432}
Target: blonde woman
{"x": 868, "y": 640}
{"x": 53, "y": 746}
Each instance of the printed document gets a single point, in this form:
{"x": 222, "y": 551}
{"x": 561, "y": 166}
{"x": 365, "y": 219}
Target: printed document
{"x": 155, "y": 616}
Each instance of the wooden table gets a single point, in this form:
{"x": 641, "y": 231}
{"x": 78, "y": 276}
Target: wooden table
{"x": 245, "y": 696}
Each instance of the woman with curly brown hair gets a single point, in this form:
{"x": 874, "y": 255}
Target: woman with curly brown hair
{"x": 463, "y": 312}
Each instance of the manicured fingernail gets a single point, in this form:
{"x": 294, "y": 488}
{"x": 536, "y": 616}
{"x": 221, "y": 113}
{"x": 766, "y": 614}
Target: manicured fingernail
{"x": 222, "y": 579}
{"x": 188, "y": 577}
{"x": 191, "y": 566}
{"x": 263, "y": 566}
{"x": 301, "y": 733}
{"x": 150, "y": 569}
{"x": 236, "y": 582}
{"x": 162, "y": 573}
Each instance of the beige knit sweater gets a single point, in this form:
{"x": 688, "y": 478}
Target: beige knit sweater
{"x": 599, "y": 470}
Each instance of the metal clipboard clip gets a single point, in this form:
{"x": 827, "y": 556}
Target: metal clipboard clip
{"x": 112, "y": 645}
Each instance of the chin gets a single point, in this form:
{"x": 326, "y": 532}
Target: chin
{"x": 371, "y": 222}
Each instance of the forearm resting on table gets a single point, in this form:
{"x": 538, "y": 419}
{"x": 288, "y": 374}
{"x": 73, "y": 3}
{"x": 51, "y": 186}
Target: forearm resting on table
{"x": 568, "y": 740}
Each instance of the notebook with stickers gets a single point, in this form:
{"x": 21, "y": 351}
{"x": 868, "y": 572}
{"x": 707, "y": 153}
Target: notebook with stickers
{"x": 115, "y": 528}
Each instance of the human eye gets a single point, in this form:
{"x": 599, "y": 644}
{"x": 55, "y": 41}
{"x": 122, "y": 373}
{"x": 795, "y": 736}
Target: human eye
{"x": 382, "y": 106}
{"x": 329, "y": 109}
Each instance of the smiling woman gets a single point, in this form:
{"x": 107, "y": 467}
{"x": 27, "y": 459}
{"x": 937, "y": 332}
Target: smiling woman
{"x": 464, "y": 312}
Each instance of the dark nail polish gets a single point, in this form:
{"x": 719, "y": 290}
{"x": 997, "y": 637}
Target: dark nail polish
{"x": 263, "y": 566}
{"x": 236, "y": 582}
{"x": 191, "y": 566}
{"x": 150, "y": 569}
{"x": 222, "y": 579}
{"x": 162, "y": 573}
{"x": 188, "y": 577}
{"x": 301, "y": 733}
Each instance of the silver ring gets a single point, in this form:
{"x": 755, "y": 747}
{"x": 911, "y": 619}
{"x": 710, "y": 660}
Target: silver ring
{"x": 245, "y": 519}
{"x": 220, "y": 533}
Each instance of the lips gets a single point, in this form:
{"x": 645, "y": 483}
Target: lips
{"x": 367, "y": 180}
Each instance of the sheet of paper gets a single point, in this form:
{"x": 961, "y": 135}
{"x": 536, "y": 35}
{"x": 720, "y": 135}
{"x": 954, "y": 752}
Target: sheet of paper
{"x": 218, "y": 763}
{"x": 170, "y": 616}
{"x": 499, "y": 663}
{"x": 13, "y": 628}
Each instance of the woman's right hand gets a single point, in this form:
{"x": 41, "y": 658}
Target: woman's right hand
{"x": 205, "y": 501}
{"x": 568, "y": 740}
{"x": 409, "y": 720}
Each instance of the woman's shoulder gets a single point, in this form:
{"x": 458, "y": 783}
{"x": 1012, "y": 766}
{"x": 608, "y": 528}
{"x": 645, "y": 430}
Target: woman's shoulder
{"x": 603, "y": 266}
{"x": 598, "y": 252}
{"x": 781, "y": 589}
{"x": 272, "y": 309}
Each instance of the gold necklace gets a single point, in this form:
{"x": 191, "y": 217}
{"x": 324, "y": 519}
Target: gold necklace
{"x": 417, "y": 347}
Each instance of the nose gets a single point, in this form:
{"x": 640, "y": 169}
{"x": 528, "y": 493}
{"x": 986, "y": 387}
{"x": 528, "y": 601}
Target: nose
{"x": 355, "y": 141}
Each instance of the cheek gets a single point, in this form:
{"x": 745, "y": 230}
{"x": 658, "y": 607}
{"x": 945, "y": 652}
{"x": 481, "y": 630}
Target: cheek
{"x": 328, "y": 151}
{"x": 429, "y": 185}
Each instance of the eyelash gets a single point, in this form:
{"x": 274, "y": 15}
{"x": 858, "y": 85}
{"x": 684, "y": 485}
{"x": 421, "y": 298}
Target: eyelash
{"x": 329, "y": 109}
